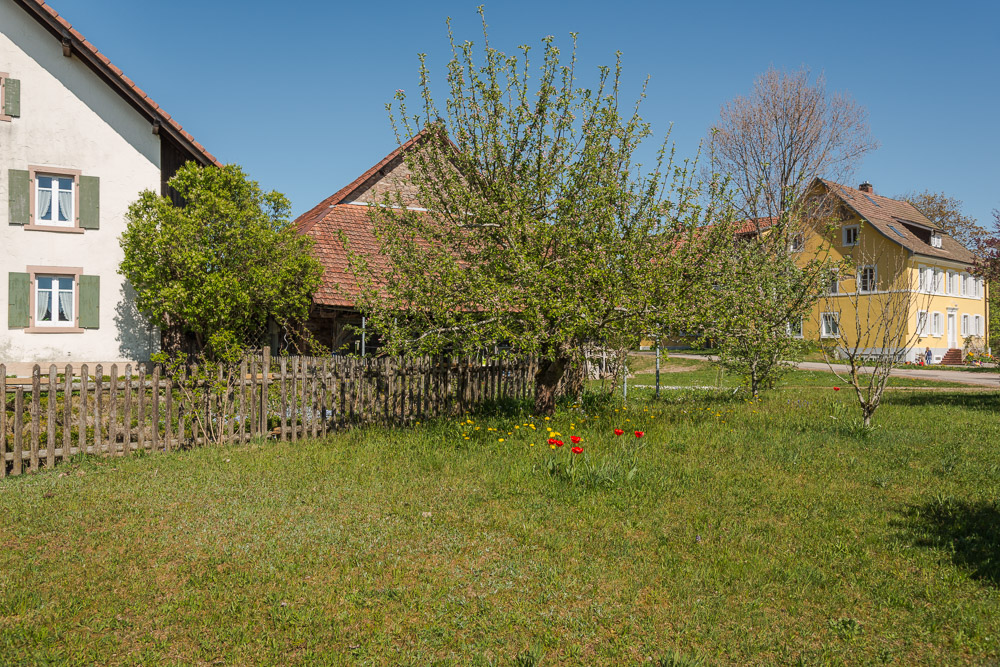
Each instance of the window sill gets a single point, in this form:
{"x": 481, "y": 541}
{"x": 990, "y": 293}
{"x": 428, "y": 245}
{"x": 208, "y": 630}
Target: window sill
{"x": 6, "y": 117}
{"x": 51, "y": 228}
{"x": 54, "y": 330}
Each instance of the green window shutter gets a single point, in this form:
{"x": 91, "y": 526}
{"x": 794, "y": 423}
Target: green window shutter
{"x": 90, "y": 302}
{"x": 18, "y": 291}
{"x": 18, "y": 196}
{"x": 90, "y": 202}
{"x": 12, "y": 97}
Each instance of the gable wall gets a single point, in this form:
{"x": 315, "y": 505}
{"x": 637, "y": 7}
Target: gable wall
{"x": 394, "y": 177}
{"x": 71, "y": 119}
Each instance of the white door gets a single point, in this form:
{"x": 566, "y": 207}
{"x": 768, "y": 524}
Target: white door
{"x": 952, "y": 339}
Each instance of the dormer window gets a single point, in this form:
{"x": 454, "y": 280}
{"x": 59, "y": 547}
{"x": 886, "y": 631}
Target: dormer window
{"x": 935, "y": 240}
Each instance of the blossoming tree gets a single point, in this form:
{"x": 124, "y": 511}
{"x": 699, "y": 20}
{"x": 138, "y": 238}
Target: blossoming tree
{"x": 537, "y": 226}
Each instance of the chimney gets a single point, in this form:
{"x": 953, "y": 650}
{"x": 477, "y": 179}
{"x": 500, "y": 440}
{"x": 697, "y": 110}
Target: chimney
{"x": 867, "y": 187}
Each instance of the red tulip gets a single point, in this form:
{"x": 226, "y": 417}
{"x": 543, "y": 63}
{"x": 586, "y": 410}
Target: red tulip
{"x": 575, "y": 438}
{"x": 559, "y": 443}
{"x": 618, "y": 431}
{"x": 577, "y": 450}
{"x": 836, "y": 388}
{"x": 639, "y": 434}
{"x": 552, "y": 441}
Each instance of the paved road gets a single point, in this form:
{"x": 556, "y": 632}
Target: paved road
{"x": 936, "y": 373}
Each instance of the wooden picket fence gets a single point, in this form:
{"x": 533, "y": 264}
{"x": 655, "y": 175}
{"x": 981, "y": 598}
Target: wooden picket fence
{"x": 49, "y": 418}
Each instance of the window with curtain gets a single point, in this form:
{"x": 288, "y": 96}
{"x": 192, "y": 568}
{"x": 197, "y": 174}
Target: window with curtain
{"x": 54, "y": 198}
{"x": 54, "y": 301}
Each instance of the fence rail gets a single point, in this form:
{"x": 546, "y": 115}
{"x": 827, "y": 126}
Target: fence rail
{"x": 68, "y": 411}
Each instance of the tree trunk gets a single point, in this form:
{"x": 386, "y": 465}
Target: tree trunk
{"x": 550, "y": 371}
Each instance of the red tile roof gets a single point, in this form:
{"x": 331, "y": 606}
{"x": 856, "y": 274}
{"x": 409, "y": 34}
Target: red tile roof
{"x": 338, "y": 286}
{"x": 325, "y": 222}
{"x": 62, "y": 28}
{"x": 891, "y": 217}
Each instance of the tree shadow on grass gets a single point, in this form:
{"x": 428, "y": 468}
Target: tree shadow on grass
{"x": 988, "y": 401}
{"x": 968, "y": 531}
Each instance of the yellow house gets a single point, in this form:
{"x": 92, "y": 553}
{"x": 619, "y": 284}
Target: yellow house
{"x": 905, "y": 284}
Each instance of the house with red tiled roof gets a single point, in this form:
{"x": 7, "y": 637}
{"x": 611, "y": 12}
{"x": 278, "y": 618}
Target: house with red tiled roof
{"x": 79, "y": 140}
{"x": 893, "y": 248}
{"x": 335, "y": 321}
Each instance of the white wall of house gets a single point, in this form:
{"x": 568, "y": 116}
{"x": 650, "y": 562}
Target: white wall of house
{"x": 71, "y": 119}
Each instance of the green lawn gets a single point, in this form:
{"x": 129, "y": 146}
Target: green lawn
{"x": 732, "y": 532}
{"x": 694, "y": 372}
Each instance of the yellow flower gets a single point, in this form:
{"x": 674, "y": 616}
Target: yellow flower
{"x": 552, "y": 446}
{"x": 531, "y": 445}
{"x": 517, "y": 426}
{"x": 477, "y": 428}
{"x": 546, "y": 419}
{"x": 499, "y": 439}
{"x": 548, "y": 428}
{"x": 555, "y": 434}
{"x": 532, "y": 426}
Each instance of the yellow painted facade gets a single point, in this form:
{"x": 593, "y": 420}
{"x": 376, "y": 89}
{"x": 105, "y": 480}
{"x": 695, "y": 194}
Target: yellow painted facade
{"x": 945, "y": 307}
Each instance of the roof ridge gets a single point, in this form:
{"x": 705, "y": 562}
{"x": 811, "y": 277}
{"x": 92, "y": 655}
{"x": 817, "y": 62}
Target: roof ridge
{"x": 71, "y": 33}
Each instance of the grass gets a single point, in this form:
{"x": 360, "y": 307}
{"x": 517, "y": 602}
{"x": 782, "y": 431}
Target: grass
{"x": 732, "y": 532}
{"x": 698, "y": 373}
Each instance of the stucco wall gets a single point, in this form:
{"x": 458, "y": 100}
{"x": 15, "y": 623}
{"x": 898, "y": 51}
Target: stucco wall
{"x": 71, "y": 119}
{"x": 891, "y": 260}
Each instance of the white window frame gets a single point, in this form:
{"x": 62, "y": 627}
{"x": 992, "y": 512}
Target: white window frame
{"x": 965, "y": 326}
{"x": 824, "y": 330}
{"x": 797, "y": 242}
{"x": 833, "y": 285}
{"x": 794, "y": 334}
{"x": 923, "y": 322}
{"x": 935, "y": 240}
{"x": 55, "y": 207}
{"x": 978, "y": 322}
{"x": 872, "y": 286}
{"x": 938, "y": 281}
{"x": 937, "y": 329}
{"x": 856, "y": 229}
{"x": 55, "y": 292}
{"x": 926, "y": 278}
{"x": 979, "y": 288}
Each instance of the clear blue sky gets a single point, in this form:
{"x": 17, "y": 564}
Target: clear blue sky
{"x": 295, "y": 91}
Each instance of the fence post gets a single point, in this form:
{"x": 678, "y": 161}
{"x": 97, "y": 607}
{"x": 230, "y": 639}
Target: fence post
{"x": 17, "y": 467}
{"x": 36, "y": 408}
{"x": 98, "y": 408}
{"x": 155, "y": 431}
{"x": 81, "y": 433}
{"x": 67, "y": 412}
{"x": 50, "y": 435}
{"x": 264, "y": 388}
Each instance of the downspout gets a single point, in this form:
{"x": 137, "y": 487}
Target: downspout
{"x": 364, "y": 334}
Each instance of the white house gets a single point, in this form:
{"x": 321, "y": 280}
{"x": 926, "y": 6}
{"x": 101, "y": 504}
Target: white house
{"x": 78, "y": 142}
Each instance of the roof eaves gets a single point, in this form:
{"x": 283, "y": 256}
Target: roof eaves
{"x": 72, "y": 40}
